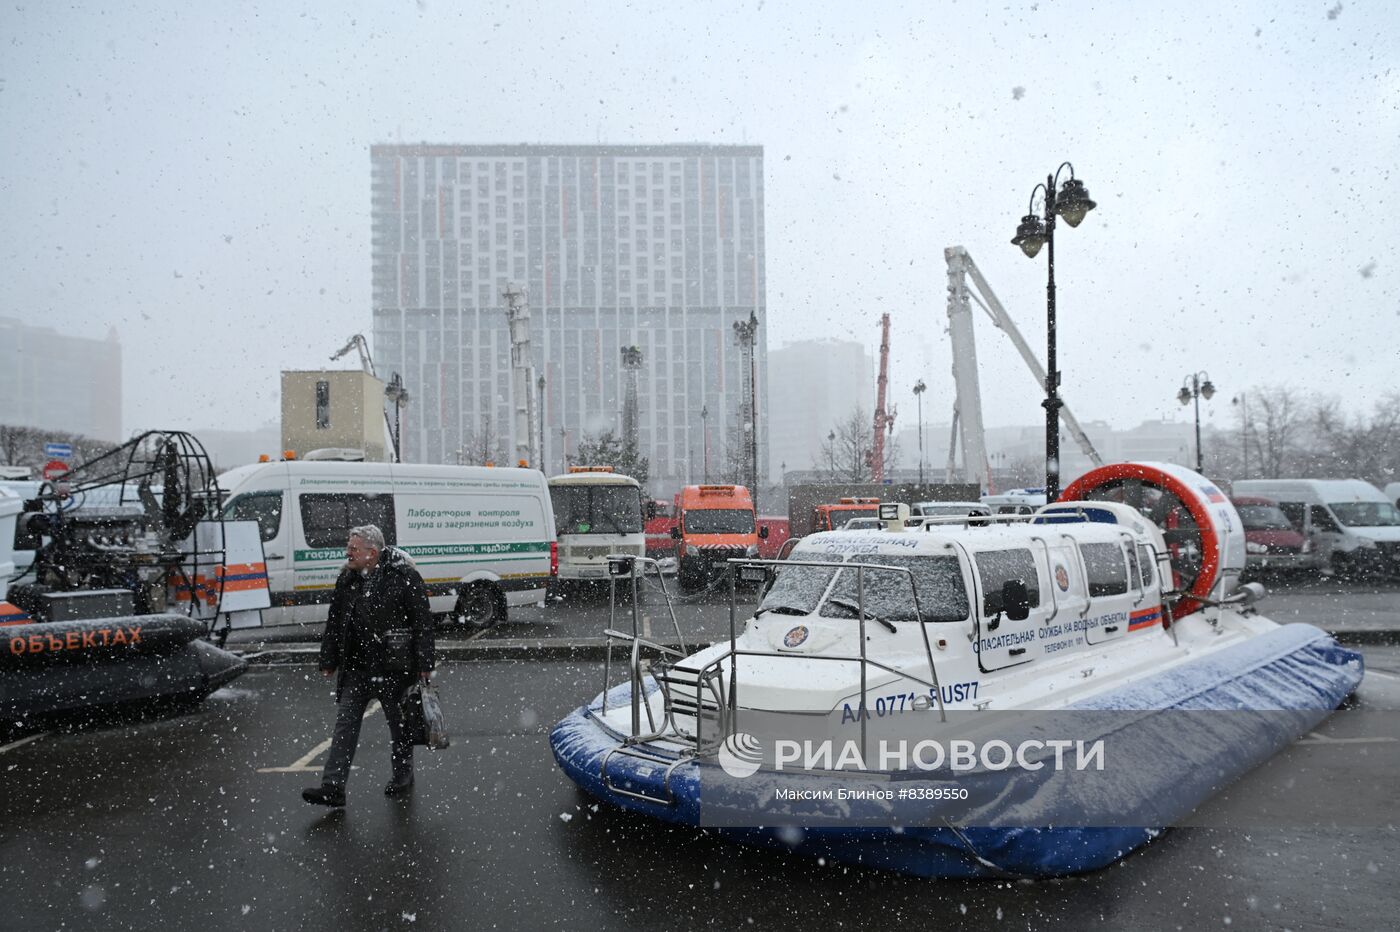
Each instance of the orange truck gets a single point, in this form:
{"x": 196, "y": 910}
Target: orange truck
{"x": 713, "y": 524}
{"x": 834, "y": 517}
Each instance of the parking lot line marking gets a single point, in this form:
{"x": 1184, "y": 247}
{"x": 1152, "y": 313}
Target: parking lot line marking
{"x": 303, "y": 765}
{"x": 22, "y": 742}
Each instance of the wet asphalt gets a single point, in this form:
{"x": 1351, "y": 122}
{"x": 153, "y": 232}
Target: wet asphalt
{"x": 193, "y": 819}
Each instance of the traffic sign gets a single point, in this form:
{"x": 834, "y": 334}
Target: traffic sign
{"x": 55, "y": 469}
{"x": 62, "y": 451}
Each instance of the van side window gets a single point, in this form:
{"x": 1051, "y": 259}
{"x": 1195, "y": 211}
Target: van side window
{"x": 995, "y": 567}
{"x": 1322, "y": 520}
{"x": 1145, "y": 564}
{"x": 262, "y": 507}
{"x": 327, "y": 519}
{"x": 1108, "y": 572}
{"x": 1293, "y": 511}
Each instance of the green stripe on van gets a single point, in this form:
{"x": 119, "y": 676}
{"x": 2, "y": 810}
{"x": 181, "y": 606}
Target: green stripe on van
{"x": 431, "y": 550}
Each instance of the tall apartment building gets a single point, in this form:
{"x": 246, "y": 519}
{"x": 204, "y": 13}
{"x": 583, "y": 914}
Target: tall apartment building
{"x": 659, "y": 247}
{"x": 60, "y": 382}
{"x": 816, "y": 384}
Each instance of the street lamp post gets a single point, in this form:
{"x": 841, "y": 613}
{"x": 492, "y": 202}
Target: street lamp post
{"x": 1195, "y": 386}
{"x": 831, "y": 452}
{"x": 1244, "y": 430}
{"x": 746, "y": 332}
{"x": 542, "y": 460}
{"x": 705, "y": 424}
{"x": 1072, "y": 204}
{"x": 396, "y": 394}
{"x": 919, "y": 387}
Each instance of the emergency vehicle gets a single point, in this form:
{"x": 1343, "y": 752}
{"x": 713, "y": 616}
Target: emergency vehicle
{"x": 834, "y": 517}
{"x": 713, "y": 523}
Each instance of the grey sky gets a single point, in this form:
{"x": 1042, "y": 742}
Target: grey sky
{"x": 197, "y": 176}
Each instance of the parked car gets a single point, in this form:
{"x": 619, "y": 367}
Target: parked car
{"x": 1351, "y": 523}
{"x": 1271, "y": 542}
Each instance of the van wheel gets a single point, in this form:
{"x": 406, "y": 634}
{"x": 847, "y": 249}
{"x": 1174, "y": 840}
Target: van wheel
{"x": 479, "y": 606}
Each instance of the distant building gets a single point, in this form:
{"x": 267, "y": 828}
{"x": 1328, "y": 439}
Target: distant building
{"x": 659, "y": 247}
{"x": 813, "y": 386}
{"x": 230, "y": 448}
{"x": 50, "y": 380}
{"x": 334, "y": 409}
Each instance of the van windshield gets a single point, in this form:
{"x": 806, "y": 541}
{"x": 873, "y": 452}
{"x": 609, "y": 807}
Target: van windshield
{"x": 597, "y": 509}
{"x": 1366, "y": 514}
{"x": 1264, "y": 518}
{"x": 719, "y": 521}
{"x": 887, "y": 593}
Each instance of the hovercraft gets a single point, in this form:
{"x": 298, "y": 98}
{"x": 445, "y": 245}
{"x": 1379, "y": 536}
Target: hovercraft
{"x": 127, "y": 571}
{"x": 1110, "y": 624}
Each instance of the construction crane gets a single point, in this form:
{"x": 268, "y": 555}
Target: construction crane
{"x": 967, "y": 410}
{"x": 884, "y": 420}
{"x": 357, "y": 342}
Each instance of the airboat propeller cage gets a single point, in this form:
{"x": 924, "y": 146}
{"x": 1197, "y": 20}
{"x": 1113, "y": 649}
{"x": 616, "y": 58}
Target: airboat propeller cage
{"x": 1204, "y": 534}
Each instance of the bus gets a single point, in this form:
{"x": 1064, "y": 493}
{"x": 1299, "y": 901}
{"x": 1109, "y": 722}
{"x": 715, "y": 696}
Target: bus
{"x": 596, "y": 512}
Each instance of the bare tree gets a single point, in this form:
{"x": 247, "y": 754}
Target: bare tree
{"x": 485, "y": 445}
{"x": 847, "y": 450}
{"x": 1356, "y": 446}
{"x": 24, "y": 446}
{"x": 1277, "y": 415}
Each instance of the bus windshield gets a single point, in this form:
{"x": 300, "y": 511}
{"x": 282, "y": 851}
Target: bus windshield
{"x": 597, "y": 509}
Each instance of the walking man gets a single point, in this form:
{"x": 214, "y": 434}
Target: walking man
{"x": 378, "y": 640}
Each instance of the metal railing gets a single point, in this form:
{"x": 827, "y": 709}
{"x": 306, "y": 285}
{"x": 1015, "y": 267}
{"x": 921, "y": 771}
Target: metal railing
{"x": 713, "y": 689}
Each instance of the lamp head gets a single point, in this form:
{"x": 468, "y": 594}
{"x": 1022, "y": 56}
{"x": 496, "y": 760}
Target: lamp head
{"x": 1030, "y": 235}
{"x": 1207, "y": 389}
{"x": 1073, "y": 202}
{"x": 1184, "y": 396}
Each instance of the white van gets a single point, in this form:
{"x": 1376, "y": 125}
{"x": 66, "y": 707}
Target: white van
{"x": 483, "y": 538}
{"x": 1352, "y": 525}
{"x": 596, "y": 512}
{"x": 1392, "y": 492}
{"x": 1016, "y": 501}
{"x": 949, "y": 510}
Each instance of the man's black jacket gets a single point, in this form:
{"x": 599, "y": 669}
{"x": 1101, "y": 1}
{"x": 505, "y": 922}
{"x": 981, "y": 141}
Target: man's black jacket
{"x": 391, "y": 596}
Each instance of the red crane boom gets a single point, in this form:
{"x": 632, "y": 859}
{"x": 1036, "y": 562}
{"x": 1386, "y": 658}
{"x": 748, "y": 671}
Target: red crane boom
{"x": 883, "y": 421}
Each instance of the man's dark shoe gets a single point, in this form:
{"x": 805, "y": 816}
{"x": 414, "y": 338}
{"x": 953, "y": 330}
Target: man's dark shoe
{"x": 324, "y": 795}
{"x": 399, "y": 785}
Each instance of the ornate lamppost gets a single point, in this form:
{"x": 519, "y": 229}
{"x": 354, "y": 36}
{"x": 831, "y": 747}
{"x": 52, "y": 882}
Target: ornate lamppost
{"x": 1196, "y": 386}
{"x": 1072, "y": 203}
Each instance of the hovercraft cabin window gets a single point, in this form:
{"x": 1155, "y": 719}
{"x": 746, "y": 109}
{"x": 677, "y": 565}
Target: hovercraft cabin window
{"x": 1145, "y": 564}
{"x": 326, "y": 519}
{"x": 1108, "y": 570}
{"x": 997, "y": 567}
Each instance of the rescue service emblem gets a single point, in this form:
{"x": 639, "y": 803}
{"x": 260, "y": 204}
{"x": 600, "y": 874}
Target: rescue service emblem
{"x": 796, "y": 636}
{"x": 1061, "y": 577}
